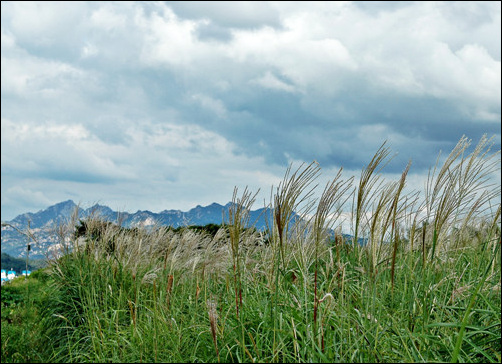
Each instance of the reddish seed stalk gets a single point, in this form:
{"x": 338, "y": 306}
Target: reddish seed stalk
{"x": 169, "y": 289}
{"x": 213, "y": 334}
{"x": 237, "y": 292}
{"x": 315, "y": 297}
{"x": 133, "y": 313}
{"x": 212, "y": 320}
{"x": 394, "y": 251}
{"x": 236, "y": 303}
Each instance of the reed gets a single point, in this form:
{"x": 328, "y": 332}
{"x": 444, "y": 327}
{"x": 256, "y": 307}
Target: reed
{"x": 238, "y": 217}
{"x": 424, "y": 286}
{"x": 328, "y": 210}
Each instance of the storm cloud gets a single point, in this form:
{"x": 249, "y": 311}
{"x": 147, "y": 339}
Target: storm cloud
{"x": 160, "y": 105}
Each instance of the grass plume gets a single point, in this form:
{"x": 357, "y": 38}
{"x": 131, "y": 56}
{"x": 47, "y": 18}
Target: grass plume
{"x": 418, "y": 281}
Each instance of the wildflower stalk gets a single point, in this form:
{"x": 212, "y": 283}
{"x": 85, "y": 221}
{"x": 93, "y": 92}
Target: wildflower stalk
{"x": 395, "y": 230}
{"x": 459, "y": 187}
{"x": 238, "y": 216}
{"x": 324, "y": 219}
{"x": 213, "y": 321}
{"x": 292, "y": 197}
{"x": 368, "y": 187}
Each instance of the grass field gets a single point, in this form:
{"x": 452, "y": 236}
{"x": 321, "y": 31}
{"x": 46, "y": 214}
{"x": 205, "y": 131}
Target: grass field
{"x": 425, "y": 286}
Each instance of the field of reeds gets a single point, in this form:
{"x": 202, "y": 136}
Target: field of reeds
{"x": 418, "y": 280}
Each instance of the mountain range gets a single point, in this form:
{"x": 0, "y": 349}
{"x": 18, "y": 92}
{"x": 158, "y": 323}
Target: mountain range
{"x": 43, "y": 223}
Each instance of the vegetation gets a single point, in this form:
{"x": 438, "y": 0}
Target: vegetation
{"x": 22, "y": 302}
{"x": 19, "y": 264}
{"x": 425, "y": 286}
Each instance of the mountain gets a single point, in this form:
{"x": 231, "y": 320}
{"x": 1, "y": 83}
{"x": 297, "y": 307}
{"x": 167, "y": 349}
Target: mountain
{"x": 54, "y": 214}
{"x": 43, "y": 223}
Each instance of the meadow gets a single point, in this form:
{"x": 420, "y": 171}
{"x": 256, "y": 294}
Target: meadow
{"x": 418, "y": 281}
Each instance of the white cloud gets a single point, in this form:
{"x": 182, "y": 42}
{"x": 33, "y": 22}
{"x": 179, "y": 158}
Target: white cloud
{"x": 178, "y": 98}
{"x": 25, "y": 196}
{"x": 168, "y": 39}
{"x": 89, "y": 50}
{"x": 108, "y": 18}
{"x": 45, "y": 24}
{"x": 272, "y": 82}
{"x": 207, "y": 102}
{"x": 236, "y": 14}
{"x": 12, "y": 132}
{"x": 28, "y": 75}
{"x": 65, "y": 151}
{"x": 165, "y": 160}
{"x": 8, "y": 41}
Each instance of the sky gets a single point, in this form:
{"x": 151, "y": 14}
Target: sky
{"x": 168, "y": 105}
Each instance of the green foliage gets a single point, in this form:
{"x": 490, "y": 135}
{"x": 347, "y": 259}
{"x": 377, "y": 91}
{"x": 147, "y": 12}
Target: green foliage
{"x": 19, "y": 264}
{"x": 22, "y": 302}
{"x": 210, "y": 229}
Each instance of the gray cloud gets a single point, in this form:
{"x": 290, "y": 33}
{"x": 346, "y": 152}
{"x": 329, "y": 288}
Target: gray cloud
{"x": 186, "y": 100}
{"x": 375, "y": 7}
{"x": 239, "y": 14}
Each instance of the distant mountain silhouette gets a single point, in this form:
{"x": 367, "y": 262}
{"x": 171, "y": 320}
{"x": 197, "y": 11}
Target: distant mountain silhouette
{"x": 43, "y": 222}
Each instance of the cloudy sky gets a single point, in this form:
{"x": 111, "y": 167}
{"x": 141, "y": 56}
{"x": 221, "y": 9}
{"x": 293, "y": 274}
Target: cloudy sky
{"x": 166, "y": 105}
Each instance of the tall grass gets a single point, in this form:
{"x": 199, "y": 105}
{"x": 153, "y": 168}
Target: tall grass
{"x": 424, "y": 285}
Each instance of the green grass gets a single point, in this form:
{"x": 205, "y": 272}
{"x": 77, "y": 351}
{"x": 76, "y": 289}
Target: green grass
{"x": 425, "y": 287}
{"x": 22, "y": 302}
